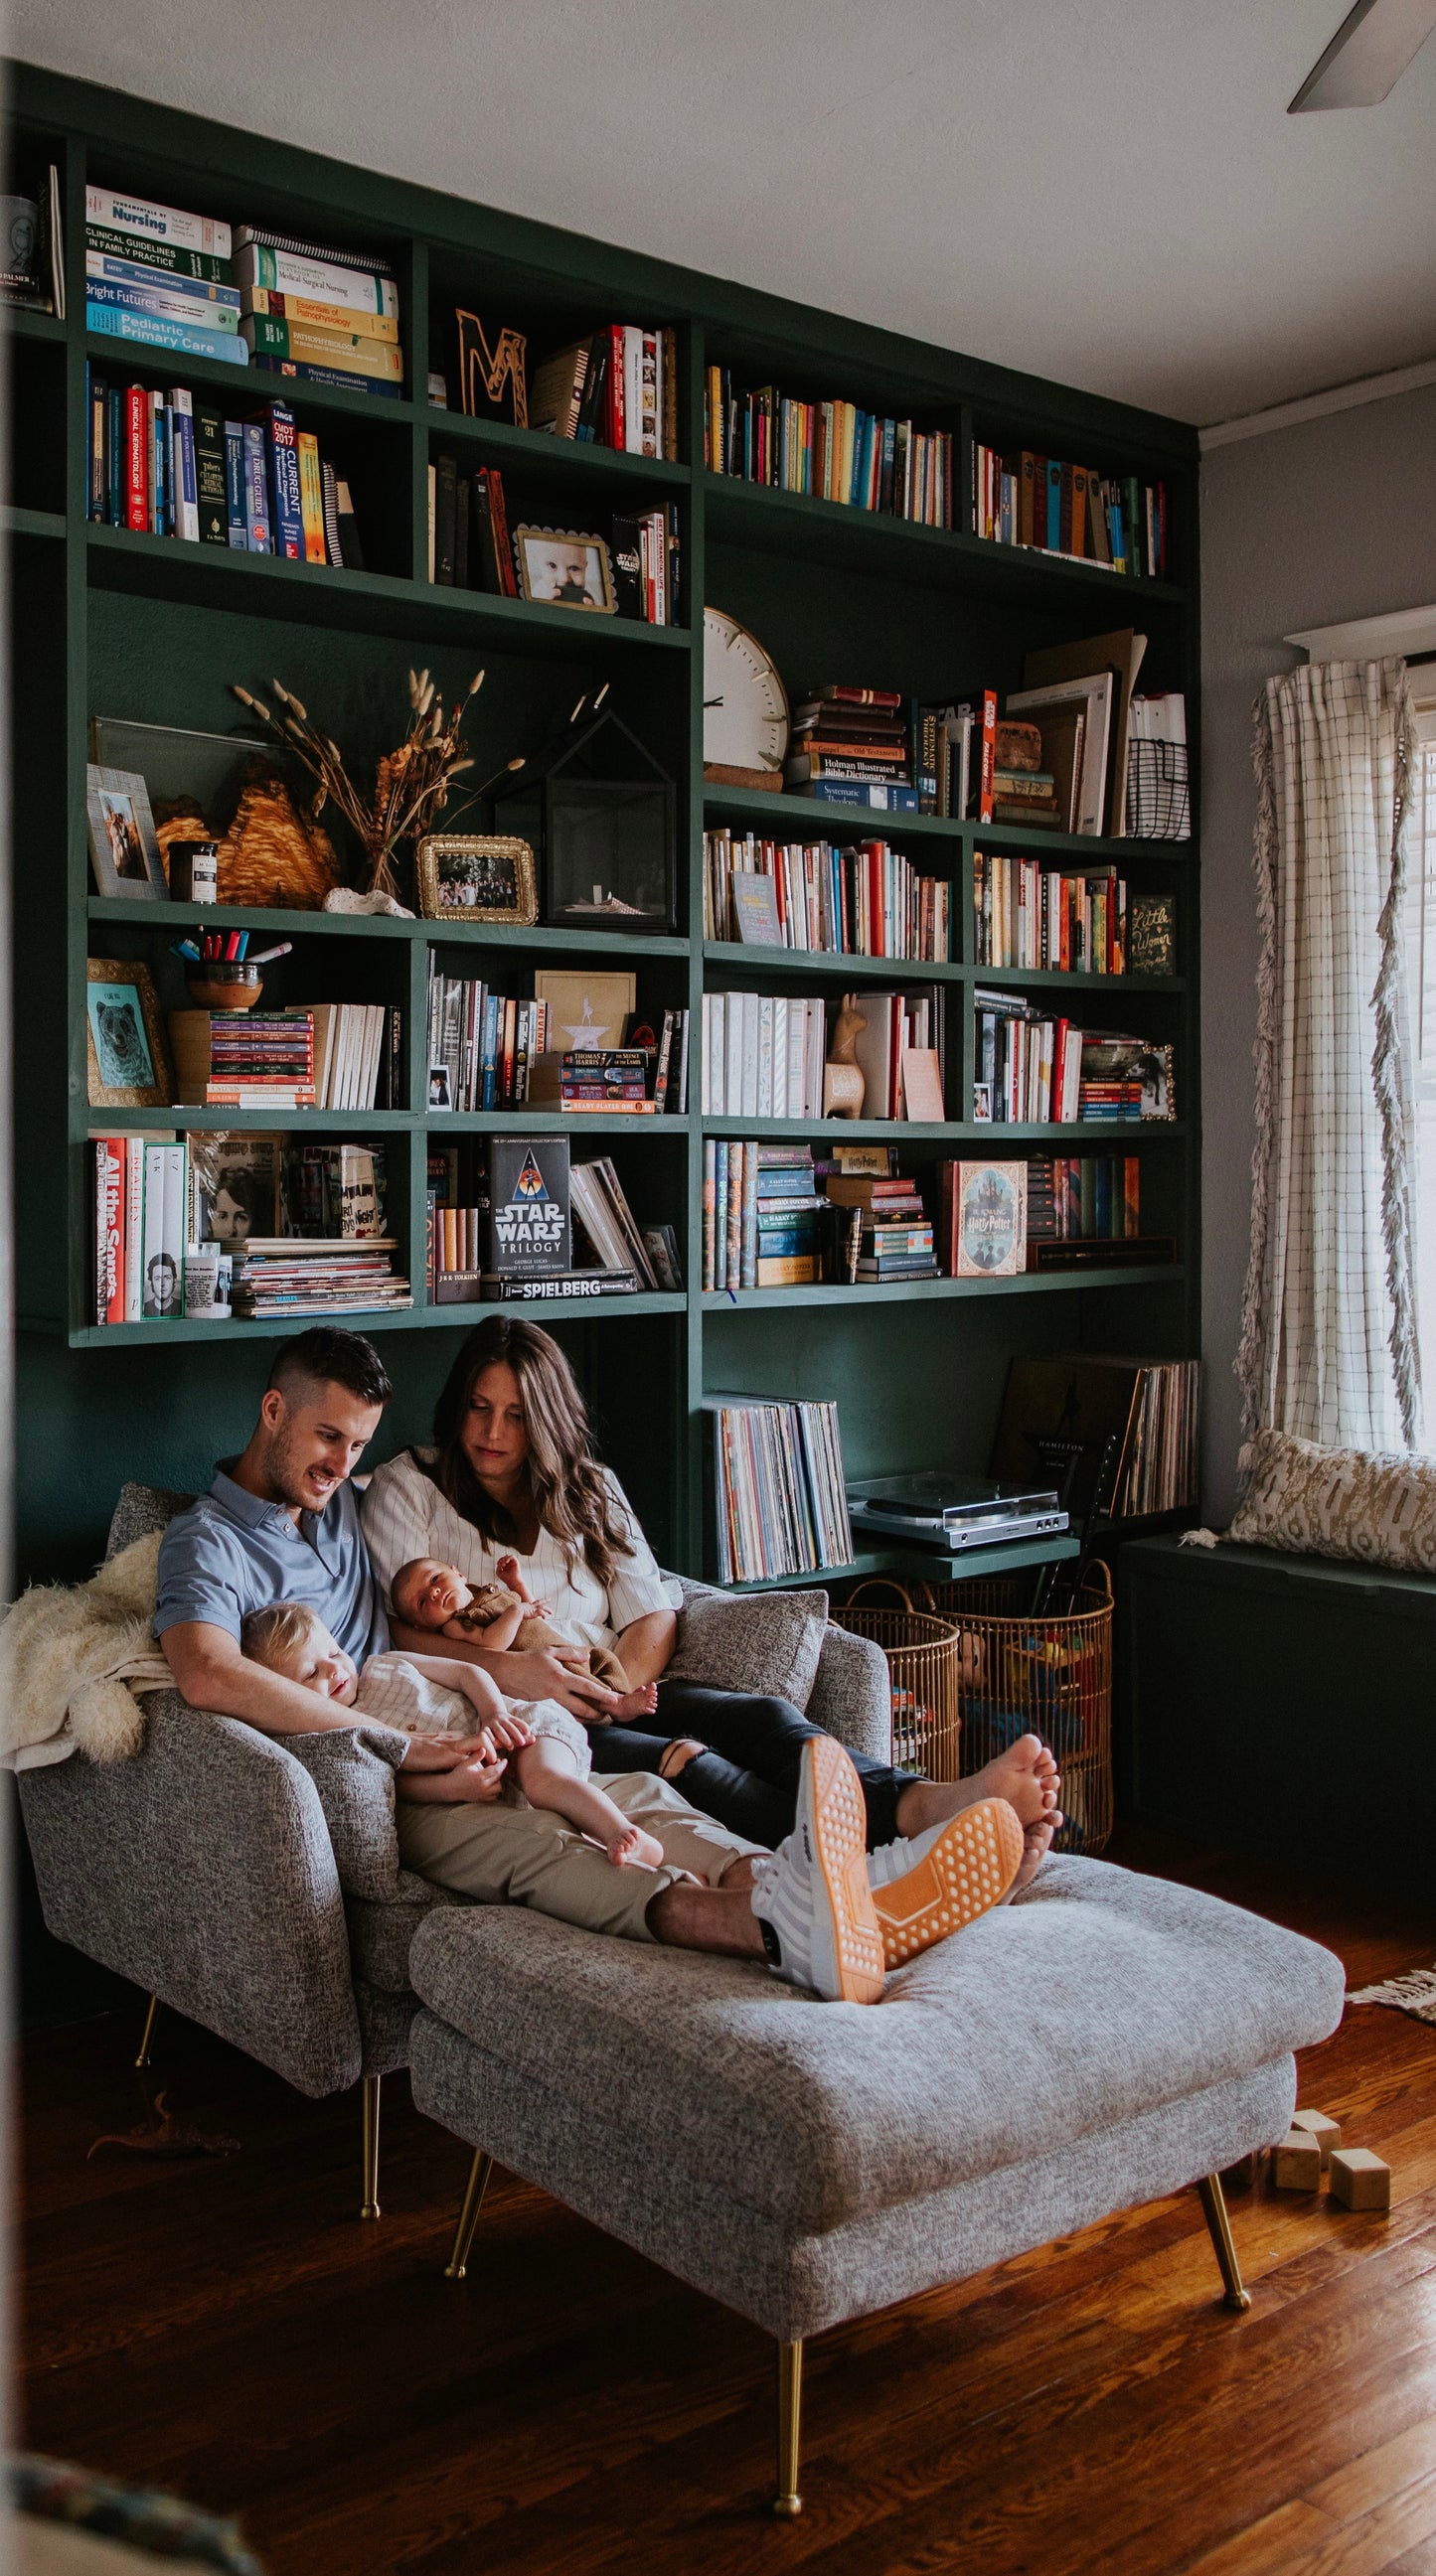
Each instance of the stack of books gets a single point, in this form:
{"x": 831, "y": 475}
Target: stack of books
{"x": 850, "y": 746}
{"x": 619, "y": 388}
{"x": 161, "y": 277}
{"x": 244, "y": 1059}
{"x": 1021, "y": 499}
{"x": 1031, "y": 1068}
{"x": 1082, "y": 1197}
{"x": 829, "y": 449}
{"x": 763, "y": 1055}
{"x": 281, "y": 1275}
{"x": 171, "y": 465}
{"x": 593, "y": 1079}
{"x": 481, "y": 1043}
{"x": 781, "y": 1507}
{"x": 318, "y": 315}
{"x": 629, "y": 1254}
{"x": 762, "y": 1215}
{"x": 863, "y": 901}
{"x": 1028, "y": 915}
{"x": 1105, "y": 1095}
{"x": 888, "y": 1232}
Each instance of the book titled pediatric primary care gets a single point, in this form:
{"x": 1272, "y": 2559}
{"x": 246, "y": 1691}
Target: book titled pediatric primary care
{"x": 156, "y": 332}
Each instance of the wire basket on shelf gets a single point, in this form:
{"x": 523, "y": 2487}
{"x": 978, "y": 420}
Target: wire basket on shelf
{"x": 923, "y": 1656}
{"x": 1047, "y": 1673}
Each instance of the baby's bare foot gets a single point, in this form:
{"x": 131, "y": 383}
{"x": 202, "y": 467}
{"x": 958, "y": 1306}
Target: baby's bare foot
{"x": 634, "y": 1849}
{"x": 637, "y": 1703}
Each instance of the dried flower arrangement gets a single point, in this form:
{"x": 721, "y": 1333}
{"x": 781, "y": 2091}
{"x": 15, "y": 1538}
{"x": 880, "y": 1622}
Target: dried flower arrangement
{"x": 411, "y": 785}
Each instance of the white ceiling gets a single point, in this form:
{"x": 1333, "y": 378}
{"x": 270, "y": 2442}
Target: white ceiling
{"x": 1108, "y": 192}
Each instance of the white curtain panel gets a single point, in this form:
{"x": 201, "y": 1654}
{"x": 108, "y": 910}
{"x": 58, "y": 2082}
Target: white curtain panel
{"x": 1328, "y": 1346}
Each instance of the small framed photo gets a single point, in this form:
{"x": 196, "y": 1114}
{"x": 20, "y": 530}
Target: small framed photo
{"x": 124, "y": 849}
{"x": 128, "y": 1066}
{"x": 565, "y": 567}
{"x": 441, "y": 1093}
{"x": 477, "y": 877}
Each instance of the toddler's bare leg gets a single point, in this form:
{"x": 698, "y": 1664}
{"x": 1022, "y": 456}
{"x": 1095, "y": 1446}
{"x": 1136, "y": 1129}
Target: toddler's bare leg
{"x": 548, "y": 1776}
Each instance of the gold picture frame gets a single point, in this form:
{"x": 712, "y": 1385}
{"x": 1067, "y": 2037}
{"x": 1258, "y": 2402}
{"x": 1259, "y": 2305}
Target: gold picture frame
{"x": 486, "y": 876}
{"x": 551, "y": 573}
{"x": 124, "y": 1036}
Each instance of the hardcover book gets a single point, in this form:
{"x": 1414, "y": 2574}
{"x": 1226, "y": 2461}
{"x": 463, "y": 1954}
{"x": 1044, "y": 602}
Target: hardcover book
{"x": 984, "y": 1219}
{"x": 530, "y": 1235}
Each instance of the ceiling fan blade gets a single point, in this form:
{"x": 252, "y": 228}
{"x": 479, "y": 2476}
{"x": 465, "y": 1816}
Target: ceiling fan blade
{"x": 1367, "y": 55}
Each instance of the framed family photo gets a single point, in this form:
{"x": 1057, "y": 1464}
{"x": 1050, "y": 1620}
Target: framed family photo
{"x": 564, "y": 567}
{"x": 128, "y": 1066}
{"x": 477, "y": 877}
{"x": 124, "y": 848}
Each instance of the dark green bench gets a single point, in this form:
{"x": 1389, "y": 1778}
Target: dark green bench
{"x": 1282, "y": 1707}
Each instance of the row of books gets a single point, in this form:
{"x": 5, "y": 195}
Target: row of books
{"x": 158, "y": 1198}
{"x": 1025, "y": 915}
{"x": 1029, "y": 1068}
{"x": 168, "y": 279}
{"x": 831, "y": 450}
{"x": 1020, "y": 499}
{"x": 637, "y": 1080}
{"x": 167, "y": 465}
{"x": 330, "y": 1055}
{"x": 619, "y": 1243}
{"x": 548, "y": 1214}
{"x": 617, "y": 388}
{"x": 481, "y": 1044}
{"x": 781, "y": 1507}
{"x": 765, "y": 1055}
{"x": 775, "y": 1216}
{"x": 866, "y": 900}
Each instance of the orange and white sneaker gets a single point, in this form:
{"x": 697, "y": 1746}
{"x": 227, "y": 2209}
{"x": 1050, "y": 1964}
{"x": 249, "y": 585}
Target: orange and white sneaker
{"x": 960, "y": 1872}
{"x": 812, "y": 1899}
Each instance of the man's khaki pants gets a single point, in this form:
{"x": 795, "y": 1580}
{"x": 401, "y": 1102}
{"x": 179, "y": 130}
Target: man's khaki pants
{"x": 507, "y": 1855}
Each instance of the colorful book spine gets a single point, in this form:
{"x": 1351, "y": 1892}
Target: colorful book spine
{"x": 311, "y": 311}
{"x": 186, "y": 492}
{"x": 358, "y": 290}
{"x": 137, "y": 470}
{"x": 259, "y": 533}
{"x": 347, "y": 352}
{"x": 110, "y": 1230}
{"x": 235, "y": 501}
{"x": 211, "y": 494}
{"x": 311, "y": 497}
{"x": 144, "y": 218}
{"x": 166, "y": 257}
{"x": 286, "y": 508}
{"x": 144, "y": 290}
{"x": 153, "y": 331}
{"x": 299, "y": 371}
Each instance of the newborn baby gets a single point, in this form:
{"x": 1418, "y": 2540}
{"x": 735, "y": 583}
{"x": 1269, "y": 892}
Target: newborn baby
{"x": 426, "y": 1594}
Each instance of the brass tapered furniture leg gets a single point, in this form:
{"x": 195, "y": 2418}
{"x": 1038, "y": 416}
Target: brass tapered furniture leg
{"x": 1214, "y": 2210}
{"x": 369, "y": 2112}
{"x": 479, "y": 2172}
{"x": 151, "y": 2017}
{"x": 787, "y": 2501}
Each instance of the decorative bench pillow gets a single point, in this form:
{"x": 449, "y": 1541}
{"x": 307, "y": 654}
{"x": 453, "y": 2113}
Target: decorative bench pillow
{"x": 1355, "y": 1503}
{"x": 766, "y": 1642}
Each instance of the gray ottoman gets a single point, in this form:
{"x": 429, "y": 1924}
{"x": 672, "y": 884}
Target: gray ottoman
{"x": 1103, "y": 2041}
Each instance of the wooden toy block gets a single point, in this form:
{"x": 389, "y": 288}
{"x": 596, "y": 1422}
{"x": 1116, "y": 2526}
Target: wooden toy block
{"x": 1241, "y": 2175}
{"x": 1325, "y": 2130}
{"x": 1360, "y": 2180}
{"x": 1296, "y": 2163}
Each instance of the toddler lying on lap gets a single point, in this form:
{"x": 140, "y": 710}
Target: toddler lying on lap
{"x": 426, "y": 1594}
{"x": 436, "y": 1695}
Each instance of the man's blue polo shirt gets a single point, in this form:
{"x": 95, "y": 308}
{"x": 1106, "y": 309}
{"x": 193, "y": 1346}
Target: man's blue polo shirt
{"x": 231, "y": 1553}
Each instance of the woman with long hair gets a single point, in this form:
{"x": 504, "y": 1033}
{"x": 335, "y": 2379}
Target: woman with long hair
{"x": 512, "y": 1472}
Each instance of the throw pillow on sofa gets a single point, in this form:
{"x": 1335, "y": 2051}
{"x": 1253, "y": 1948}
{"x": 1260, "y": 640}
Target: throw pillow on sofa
{"x": 1380, "y": 1510}
{"x": 766, "y": 1642}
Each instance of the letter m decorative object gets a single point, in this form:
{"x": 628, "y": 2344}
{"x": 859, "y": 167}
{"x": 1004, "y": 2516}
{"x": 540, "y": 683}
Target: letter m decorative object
{"x": 484, "y": 373}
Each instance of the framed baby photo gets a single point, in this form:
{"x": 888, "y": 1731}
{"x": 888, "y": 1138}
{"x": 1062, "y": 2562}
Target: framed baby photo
{"x": 477, "y": 877}
{"x": 128, "y": 1065}
{"x": 124, "y": 848}
{"x": 564, "y": 567}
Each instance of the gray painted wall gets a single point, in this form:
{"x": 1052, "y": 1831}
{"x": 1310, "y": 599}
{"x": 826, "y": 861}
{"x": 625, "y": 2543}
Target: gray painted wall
{"x": 1333, "y": 519}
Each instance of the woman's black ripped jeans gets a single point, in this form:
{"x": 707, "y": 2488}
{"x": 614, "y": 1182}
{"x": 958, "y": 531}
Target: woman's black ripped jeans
{"x": 748, "y": 1776}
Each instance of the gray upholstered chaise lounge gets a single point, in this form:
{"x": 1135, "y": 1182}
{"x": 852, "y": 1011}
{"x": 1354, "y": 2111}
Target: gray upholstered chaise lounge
{"x": 1106, "y": 2040}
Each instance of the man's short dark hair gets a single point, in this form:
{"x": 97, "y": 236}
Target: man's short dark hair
{"x": 325, "y": 1356}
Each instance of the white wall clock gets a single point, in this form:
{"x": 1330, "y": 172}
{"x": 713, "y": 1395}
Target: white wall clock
{"x": 745, "y": 705}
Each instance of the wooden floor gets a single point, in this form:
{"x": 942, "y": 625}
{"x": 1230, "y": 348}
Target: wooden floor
{"x": 227, "y": 2329}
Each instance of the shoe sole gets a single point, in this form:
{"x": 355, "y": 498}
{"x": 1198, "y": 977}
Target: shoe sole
{"x": 968, "y": 1871}
{"x": 832, "y": 1816}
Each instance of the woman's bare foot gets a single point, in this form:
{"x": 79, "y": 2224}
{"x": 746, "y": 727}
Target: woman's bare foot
{"x": 635, "y": 1849}
{"x": 1025, "y": 1775}
{"x": 637, "y": 1703}
{"x": 676, "y": 1756}
{"x": 1036, "y": 1844}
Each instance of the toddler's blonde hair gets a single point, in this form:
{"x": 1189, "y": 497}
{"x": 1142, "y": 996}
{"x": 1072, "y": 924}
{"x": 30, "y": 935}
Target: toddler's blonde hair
{"x": 281, "y": 1629}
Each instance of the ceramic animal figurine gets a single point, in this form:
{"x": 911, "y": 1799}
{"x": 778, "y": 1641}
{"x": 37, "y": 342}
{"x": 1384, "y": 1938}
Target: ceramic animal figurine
{"x": 843, "y": 1080}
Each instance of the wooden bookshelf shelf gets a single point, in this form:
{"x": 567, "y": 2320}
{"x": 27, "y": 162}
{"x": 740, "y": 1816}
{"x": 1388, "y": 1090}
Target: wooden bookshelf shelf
{"x": 114, "y": 622}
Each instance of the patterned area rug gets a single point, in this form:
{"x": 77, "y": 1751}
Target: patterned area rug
{"x": 1415, "y": 1993}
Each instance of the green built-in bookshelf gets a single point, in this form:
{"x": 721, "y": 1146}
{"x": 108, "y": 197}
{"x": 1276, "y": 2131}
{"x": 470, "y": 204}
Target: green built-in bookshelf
{"x": 153, "y": 630}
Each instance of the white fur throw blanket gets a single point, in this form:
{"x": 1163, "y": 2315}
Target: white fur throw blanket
{"x": 72, "y": 1659}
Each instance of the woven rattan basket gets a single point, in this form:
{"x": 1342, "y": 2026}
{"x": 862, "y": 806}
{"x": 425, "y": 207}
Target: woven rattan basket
{"x": 1048, "y": 1674}
{"x": 923, "y": 1652}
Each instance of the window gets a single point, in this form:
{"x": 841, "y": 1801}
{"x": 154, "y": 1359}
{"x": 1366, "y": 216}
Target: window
{"x": 1421, "y": 970}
